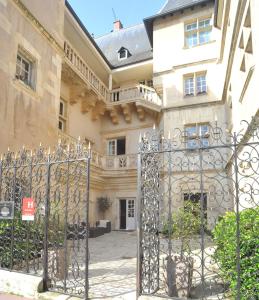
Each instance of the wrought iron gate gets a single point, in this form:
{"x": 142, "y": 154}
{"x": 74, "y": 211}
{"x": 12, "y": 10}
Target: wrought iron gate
{"x": 198, "y": 225}
{"x": 55, "y": 244}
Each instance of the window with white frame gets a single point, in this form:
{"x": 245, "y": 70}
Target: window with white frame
{"x": 189, "y": 86}
{"x": 198, "y": 32}
{"x": 123, "y": 53}
{"x": 62, "y": 122}
{"x": 195, "y": 84}
{"x": 196, "y": 136}
{"x": 25, "y": 68}
{"x": 131, "y": 208}
{"x": 201, "y": 84}
{"x": 116, "y": 146}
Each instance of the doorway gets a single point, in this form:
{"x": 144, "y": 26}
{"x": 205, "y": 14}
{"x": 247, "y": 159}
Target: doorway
{"x": 127, "y": 214}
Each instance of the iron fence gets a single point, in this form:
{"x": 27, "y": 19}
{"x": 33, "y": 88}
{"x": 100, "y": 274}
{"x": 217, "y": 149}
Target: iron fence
{"x": 198, "y": 224}
{"x": 52, "y": 243}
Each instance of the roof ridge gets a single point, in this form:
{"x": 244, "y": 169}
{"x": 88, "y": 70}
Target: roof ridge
{"x": 122, "y": 29}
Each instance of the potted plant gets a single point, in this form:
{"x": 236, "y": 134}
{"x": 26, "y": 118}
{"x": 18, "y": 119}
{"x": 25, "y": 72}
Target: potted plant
{"x": 103, "y": 205}
{"x": 185, "y": 223}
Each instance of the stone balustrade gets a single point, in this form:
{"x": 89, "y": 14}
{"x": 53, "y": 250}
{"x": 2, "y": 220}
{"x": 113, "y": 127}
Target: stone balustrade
{"x": 106, "y": 162}
{"x": 138, "y": 92}
{"x": 88, "y": 75}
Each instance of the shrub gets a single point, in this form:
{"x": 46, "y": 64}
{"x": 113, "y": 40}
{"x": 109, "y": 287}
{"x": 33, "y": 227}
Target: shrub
{"x": 186, "y": 222}
{"x": 226, "y": 252}
{"x": 27, "y": 242}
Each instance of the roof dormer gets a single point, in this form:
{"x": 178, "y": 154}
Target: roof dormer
{"x": 123, "y": 53}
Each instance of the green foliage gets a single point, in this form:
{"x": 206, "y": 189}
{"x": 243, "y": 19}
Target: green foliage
{"x": 103, "y": 204}
{"x": 185, "y": 223}
{"x": 27, "y": 241}
{"x": 225, "y": 237}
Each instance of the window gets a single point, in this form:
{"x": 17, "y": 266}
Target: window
{"x": 24, "y": 68}
{"x": 201, "y": 84}
{"x": 196, "y": 198}
{"x": 117, "y": 146}
{"x": 195, "y": 84}
{"x": 198, "y": 32}
{"x": 196, "y": 136}
{"x": 123, "y": 53}
{"x": 62, "y": 122}
{"x": 189, "y": 86}
{"x": 131, "y": 208}
{"x": 148, "y": 83}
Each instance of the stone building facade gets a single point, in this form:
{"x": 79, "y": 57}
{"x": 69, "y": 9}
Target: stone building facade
{"x": 189, "y": 66}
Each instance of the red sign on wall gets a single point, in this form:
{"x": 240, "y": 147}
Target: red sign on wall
{"x": 28, "y": 209}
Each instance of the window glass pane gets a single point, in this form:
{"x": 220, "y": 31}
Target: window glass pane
{"x": 192, "y": 144}
{"x": 204, "y": 23}
{"x": 201, "y": 84}
{"x": 25, "y": 77}
{"x": 18, "y": 70}
{"x": 191, "y": 40}
{"x": 61, "y": 108}
{"x": 131, "y": 210}
{"x": 60, "y": 125}
{"x": 191, "y": 26}
{"x": 205, "y": 142}
{"x": 111, "y": 147}
{"x": 23, "y": 69}
{"x": 123, "y": 53}
{"x": 25, "y": 65}
{"x": 204, "y": 130}
{"x": 189, "y": 86}
{"x": 121, "y": 146}
{"x": 191, "y": 131}
{"x": 204, "y": 37}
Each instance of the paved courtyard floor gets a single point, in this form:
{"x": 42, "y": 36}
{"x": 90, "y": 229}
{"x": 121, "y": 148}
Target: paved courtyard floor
{"x": 112, "y": 269}
{"x": 11, "y": 297}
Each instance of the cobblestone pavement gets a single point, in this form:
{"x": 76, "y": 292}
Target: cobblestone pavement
{"x": 11, "y": 297}
{"x": 112, "y": 269}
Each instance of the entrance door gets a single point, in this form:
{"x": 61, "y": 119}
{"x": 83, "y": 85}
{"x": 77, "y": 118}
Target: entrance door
{"x": 131, "y": 224}
{"x": 123, "y": 213}
{"x": 127, "y": 214}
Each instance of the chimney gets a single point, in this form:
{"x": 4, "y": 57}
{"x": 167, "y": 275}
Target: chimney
{"x": 117, "y": 25}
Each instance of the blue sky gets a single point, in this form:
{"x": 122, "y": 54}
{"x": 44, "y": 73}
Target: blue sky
{"x": 98, "y": 18}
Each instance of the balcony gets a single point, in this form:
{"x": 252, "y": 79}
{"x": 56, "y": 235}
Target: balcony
{"x": 105, "y": 162}
{"x": 78, "y": 64}
{"x": 139, "y": 93}
{"x": 88, "y": 88}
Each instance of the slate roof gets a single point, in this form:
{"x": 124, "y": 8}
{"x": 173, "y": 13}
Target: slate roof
{"x": 134, "y": 39}
{"x": 170, "y": 7}
{"x": 173, "y": 5}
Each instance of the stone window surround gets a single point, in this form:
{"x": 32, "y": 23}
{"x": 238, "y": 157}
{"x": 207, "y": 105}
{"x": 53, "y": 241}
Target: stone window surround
{"x": 197, "y": 30}
{"x": 199, "y": 133}
{"x": 114, "y": 140}
{"x": 25, "y": 56}
{"x": 62, "y": 115}
{"x": 196, "y": 76}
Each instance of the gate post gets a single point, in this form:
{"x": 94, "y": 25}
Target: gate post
{"x": 88, "y": 159}
{"x": 138, "y": 207}
{"x": 238, "y": 269}
{"x": 46, "y": 225}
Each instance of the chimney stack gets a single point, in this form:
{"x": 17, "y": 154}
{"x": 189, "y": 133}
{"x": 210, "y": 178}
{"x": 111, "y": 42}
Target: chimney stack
{"x": 117, "y": 25}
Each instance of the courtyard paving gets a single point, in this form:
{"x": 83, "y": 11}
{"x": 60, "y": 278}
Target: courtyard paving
{"x": 112, "y": 269}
